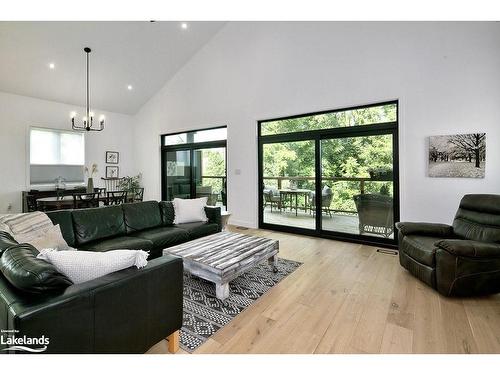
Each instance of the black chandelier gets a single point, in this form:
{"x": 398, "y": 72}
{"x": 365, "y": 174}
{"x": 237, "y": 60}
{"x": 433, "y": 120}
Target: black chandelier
{"x": 88, "y": 119}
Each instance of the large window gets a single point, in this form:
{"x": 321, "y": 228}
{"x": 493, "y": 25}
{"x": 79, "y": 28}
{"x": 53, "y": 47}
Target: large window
{"x": 54, "y": 154}
{"x": 333, "y": 119}
{"x": 331, "y": 174}
{"x": 194, "y": 165}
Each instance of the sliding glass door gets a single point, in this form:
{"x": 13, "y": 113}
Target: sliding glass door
{"x": 209, "y": 168}
{"x": 332, "y": 174}
{"x": 194, "y": 166}
{"x": 357, "y": 185}
{"x": 177, "y": 174}
{"x": 289, "y": 184}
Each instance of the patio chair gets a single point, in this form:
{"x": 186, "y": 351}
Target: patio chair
{"x": 273, "y": 198}
{"x": 206, "y": 191}
{"x": 375, "y": 214}
{"x": 326, "y": 201}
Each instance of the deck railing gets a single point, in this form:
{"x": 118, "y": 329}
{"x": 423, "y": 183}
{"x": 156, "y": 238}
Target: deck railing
{"x": 361, "y": 180}
{"x": 205, "y": 181}
{"x": 279, "y": 182}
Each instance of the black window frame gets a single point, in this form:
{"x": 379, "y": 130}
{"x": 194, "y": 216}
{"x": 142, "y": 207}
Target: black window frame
{"x": 191, "y": 147}
{"x": 385, "y": 128}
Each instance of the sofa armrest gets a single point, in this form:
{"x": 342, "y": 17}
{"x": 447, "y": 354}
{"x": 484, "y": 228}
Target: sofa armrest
{"x": 468, "y": 248}
{"x": 123, "y": 312}
{"x": 426, "y": 229}
{"x": 6, "y": 241}
{"x": 214, "y": 215}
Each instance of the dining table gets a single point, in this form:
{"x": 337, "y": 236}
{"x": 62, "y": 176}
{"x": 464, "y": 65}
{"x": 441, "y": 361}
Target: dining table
{"x": 66, "y": 202}
{"x": 54, "y": 203}
{"x": 60, "y": 203}
{"x": 294, "y": 196}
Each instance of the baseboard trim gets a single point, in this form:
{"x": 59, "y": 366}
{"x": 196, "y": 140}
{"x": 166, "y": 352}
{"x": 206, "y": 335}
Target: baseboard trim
{"x": 242, "y": 223}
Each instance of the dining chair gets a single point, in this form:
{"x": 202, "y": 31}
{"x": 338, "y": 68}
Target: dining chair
{"x": 85, "y": 200}
{"x": 138, "y": 195}
{"x": 116, "y": 197}
{"x": 31, "y": 202}
{"x": 101, "y": 191}
{"x": 112, "y": 183}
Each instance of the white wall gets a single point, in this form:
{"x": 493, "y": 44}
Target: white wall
{"x": 18, "y": 113}
{"x": 446, "y": 76}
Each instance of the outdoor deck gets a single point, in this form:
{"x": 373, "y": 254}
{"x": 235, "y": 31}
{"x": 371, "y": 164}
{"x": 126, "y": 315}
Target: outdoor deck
{"x": 339, "y": 222}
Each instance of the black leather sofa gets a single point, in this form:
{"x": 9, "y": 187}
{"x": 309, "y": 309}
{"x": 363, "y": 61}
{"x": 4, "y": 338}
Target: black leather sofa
{"x": 124, "y": 312}
{"x": 144, "y": 225}
{"x": 462, "y": 259}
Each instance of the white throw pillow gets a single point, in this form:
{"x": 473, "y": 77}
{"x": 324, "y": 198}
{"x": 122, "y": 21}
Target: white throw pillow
{"x": 189, "y": 210}
{"x": 52, "y": 238}
{"x": 81, "y": 266}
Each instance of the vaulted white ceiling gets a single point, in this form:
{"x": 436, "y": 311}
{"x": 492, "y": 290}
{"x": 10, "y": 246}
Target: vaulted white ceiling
{"x": 144, "y": 55}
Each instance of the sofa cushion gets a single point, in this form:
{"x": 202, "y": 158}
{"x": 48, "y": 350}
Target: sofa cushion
{"x": 141, "y": 215}
{"x": 214, "y": 215}
{"x": 93, "y": 224}
{"x": 420, "y": 248}
{"x": 199, "y": 229}
{"x": 163, "y": 237}
{"x": 118, "y": 243}
{"x": 167, "y": 212}
{"x": 20, "y": 266}
{"x": 65, "y": 220}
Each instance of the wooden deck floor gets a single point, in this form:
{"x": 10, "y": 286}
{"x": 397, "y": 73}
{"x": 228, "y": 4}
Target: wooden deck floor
{"x": 337, "y": 222}
{"x": 347, "y": 298}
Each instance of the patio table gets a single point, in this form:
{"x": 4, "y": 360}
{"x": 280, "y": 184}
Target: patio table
{"x": 295, "y": 193}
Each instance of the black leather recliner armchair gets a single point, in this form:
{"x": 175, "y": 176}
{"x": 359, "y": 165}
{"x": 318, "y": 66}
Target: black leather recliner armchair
{"x": 462, "y": 259}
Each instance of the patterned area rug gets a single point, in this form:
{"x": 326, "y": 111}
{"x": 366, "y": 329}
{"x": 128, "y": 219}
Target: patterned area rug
{"x": 204, "y": 314}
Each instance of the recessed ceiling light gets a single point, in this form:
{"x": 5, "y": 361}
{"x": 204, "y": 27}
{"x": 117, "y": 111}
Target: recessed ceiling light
{"x": 52, "y": 66}
{"x": 129, "y": 87}
{"x": 184, "y": 25}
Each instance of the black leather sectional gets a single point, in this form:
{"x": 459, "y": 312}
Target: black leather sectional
{"x": 146, "y": 225}
{"x": 124, "y": 312}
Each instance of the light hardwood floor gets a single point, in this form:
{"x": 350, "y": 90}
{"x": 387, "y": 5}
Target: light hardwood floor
{"x": 347, "y": 298}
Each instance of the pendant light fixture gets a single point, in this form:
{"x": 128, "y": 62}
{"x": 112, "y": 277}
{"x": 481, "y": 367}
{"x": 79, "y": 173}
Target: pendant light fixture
{"x": 88, "y": 119}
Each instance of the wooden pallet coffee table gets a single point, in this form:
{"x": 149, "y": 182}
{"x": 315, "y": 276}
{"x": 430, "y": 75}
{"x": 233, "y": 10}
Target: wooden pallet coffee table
{"x": 223, "y": 256}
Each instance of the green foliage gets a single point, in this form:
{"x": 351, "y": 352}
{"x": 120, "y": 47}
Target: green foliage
{"x": 130, "y": 183}
{"x": 384, "y": 190}
{"x": 214, "y": 164}
{"x": 353, "y": 157}
{"x": 362, "y": 116}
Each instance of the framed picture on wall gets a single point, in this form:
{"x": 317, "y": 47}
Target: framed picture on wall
{"x": 112, "y": 157}
{"x": 112, "y": 172}
{"x": 457, "y": 155}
